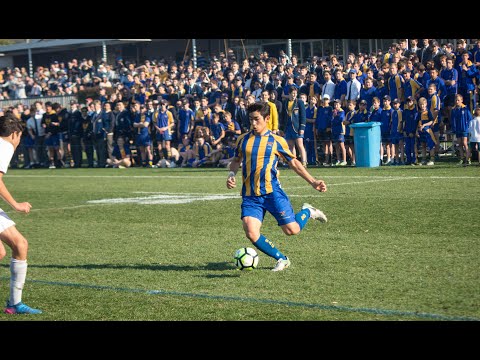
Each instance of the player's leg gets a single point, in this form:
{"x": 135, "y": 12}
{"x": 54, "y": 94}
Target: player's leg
{"x": 251, "y": 226}
{"x": 3, "y": 252}
{"x": 393, "y": 151}
{"x": 291, "y": 146}
{"x": 291, "y": 223}
{"x": 381, "y": 153}
{"x": 467, "y": 150}
{"x": 18, "y": 270}
{"x": 401, "y": 149}
{"x": 341, "y": 144}
{"x": 148, "y": 150}
{"x": 60, "y": 150}
{"x": 253, "y": 212}
{"x": 301, "y": 148}
{"x": 51, "y": 156}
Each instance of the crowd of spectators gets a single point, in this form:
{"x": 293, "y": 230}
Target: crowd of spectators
{"x": 167, "y": 113}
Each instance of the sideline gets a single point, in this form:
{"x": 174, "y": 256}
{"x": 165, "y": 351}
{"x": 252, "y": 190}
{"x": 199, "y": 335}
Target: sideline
{"x": 374, "y": 311}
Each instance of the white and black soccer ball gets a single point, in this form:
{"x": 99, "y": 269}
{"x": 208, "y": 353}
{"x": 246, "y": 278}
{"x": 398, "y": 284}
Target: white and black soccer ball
{"x": 246, "y": 259}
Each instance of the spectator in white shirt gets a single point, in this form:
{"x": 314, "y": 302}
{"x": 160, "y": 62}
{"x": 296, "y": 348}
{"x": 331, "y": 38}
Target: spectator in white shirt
{"x": 474, "y": 132}
{"x": 329, "y": 87}
{"x": 353, "y": 86}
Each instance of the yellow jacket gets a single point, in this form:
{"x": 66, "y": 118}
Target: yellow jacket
{"x": 273, "y": 124}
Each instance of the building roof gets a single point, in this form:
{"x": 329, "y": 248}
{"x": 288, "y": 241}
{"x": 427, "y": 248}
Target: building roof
{"x": 58, "y": 44}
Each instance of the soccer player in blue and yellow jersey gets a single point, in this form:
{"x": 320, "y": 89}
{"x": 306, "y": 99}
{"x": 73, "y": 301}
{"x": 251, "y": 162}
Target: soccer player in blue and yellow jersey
{"x": 425, "y": 134}
{"x": 461, "y": 117}
{"x": 258, "y": 152}
{"x": 164, "y": 124}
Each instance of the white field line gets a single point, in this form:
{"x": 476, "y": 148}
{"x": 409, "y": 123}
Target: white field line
{"x": 181, "y": 198}
{"x": 67, "y": 207}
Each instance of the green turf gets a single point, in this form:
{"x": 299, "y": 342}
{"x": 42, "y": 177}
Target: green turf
{"x": 401, "y": 243}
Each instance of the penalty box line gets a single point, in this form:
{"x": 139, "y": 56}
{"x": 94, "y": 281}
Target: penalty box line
{"x": 372, "y": 311}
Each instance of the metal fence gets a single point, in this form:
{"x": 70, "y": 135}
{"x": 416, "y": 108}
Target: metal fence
{"x": 62, "y": 100}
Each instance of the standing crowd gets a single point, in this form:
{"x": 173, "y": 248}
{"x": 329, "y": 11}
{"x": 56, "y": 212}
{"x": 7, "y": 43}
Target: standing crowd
{"x": 164, "y": 113}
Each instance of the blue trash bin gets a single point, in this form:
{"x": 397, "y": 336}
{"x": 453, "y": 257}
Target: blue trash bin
{"x": 366, "y": 139}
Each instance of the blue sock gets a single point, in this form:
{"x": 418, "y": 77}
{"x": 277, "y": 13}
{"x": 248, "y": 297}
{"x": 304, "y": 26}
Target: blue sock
{"x": 302, "y": 217}
{"x": 267, "y": 247}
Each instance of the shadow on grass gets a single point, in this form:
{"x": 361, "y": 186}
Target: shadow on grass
{"x": 216, "y": 276}
{"x": 219, "y": 266}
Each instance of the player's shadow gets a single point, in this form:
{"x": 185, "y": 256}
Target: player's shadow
{"x": 218, "y": 266}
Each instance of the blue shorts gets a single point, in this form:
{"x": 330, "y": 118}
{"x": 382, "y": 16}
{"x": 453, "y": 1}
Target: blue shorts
{"x": 338, "y": 138}
{"x": 166, "y": 136}
{"x": 395, "y": 138}
{"x": 276, "y": 203}
{"x": 425, "y": 137}
{"x": 143, "y": 141}
{"x": 52, "y": 141}
{"x": 461, "y": 134}
{"x": 323, "y": 135}
{"x": 28, "y": 142}
{"x": 385, "y": 138}
{"x": 348, "y": 139}
{"x": 290, "y": 134}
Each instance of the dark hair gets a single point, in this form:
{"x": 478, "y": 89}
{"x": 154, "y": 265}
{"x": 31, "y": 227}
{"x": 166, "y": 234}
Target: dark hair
{"x": 10, "y": 124}
{"x": 261, "y": 107}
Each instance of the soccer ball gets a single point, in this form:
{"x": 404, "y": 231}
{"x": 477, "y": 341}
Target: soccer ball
{"x": 246, "y": 259}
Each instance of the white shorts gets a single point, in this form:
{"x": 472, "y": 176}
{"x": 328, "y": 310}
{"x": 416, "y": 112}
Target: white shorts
{"x": 5, "y": 221}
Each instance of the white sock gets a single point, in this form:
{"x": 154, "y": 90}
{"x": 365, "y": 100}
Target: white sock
{"x": 18, "y": 273}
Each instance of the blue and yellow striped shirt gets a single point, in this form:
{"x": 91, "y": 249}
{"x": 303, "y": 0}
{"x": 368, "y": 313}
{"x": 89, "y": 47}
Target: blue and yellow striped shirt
{"x": 259, "y": 154}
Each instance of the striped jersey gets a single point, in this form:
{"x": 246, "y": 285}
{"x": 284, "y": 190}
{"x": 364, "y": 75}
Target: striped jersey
{"x": 259, "y": 154}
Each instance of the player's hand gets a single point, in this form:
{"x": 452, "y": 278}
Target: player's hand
{"x": 23, "y": 207}
{"x": 231, "y": 182}
{"x": 319, "y": 185}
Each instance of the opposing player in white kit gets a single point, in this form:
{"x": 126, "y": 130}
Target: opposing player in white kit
{"x": 10, "y": 132}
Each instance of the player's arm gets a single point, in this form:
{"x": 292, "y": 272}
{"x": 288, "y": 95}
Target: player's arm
{"x": 5, "y": 195}
{"x": 234, "y": 166}
{"x": 297, "y": 166}
{"x": 274, "y": 118}
{"x": 222, "y": 135}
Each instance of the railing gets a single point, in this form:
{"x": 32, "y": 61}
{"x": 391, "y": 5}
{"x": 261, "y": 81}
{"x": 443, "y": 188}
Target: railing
{"x": 62, "y": 100}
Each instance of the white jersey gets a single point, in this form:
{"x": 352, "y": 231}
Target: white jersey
{"x": 474, "y": 130}
{"x": 6, "y": 153}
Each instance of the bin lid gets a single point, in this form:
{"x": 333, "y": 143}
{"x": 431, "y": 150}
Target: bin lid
{"x": 366, "y": 124}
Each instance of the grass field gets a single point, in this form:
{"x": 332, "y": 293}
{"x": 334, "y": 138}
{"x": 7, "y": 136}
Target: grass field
{"x": 401, "y": 243}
